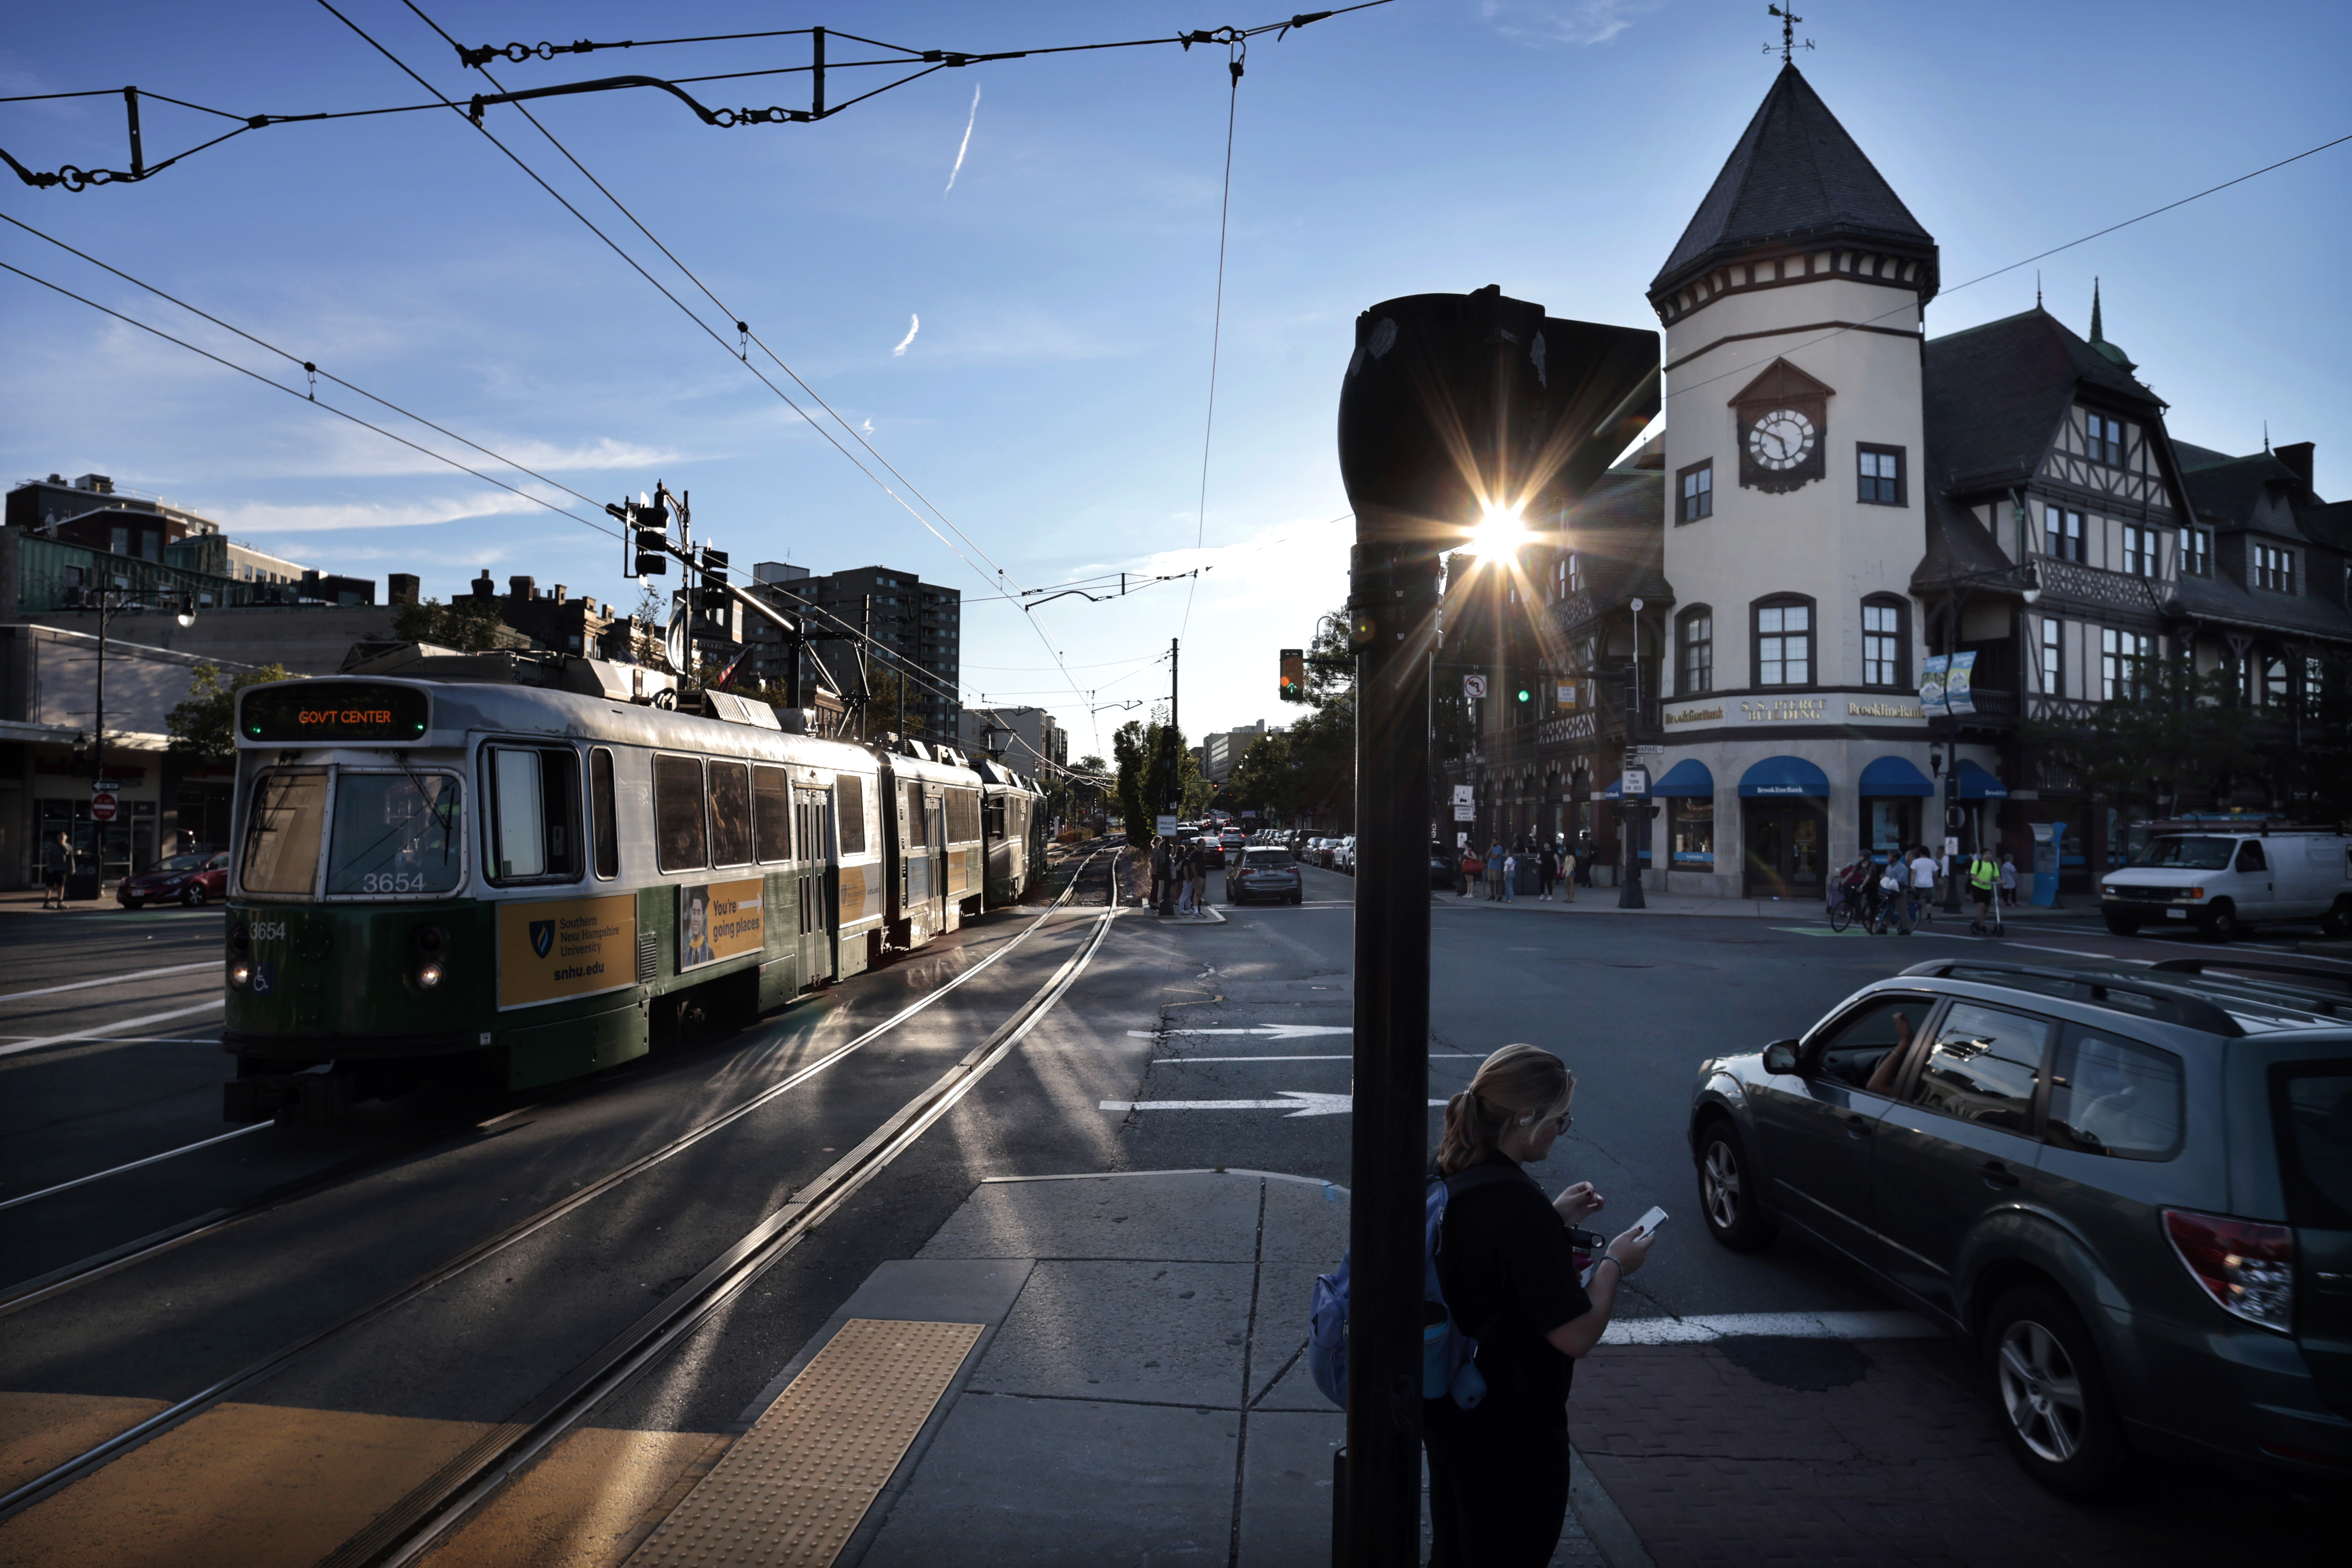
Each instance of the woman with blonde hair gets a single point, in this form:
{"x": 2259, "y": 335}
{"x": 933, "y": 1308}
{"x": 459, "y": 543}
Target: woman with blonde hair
{"x": 1498, "y": 1472}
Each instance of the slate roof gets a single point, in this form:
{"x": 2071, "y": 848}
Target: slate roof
{"x": 2306, "y": 614}
{"x": 1793, "y": 171}
{"x": 2257, "y": 491}
{"x": 1994, "y": 396}
{"x": 1957, "y": 544}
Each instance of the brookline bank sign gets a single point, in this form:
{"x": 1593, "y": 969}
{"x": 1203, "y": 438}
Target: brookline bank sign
{"x": 1833, "y": 708}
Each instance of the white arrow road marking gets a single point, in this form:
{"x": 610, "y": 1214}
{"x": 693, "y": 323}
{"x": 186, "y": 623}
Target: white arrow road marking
{"x": 1297, "y": 1101}
{"x": 1271, "y": 1031}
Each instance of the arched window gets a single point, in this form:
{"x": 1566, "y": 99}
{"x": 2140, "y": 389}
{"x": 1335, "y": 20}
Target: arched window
{"x": 1695, "y": 651}
{"x": 1886, "y": 642}
{"x": 1782, "y": 640}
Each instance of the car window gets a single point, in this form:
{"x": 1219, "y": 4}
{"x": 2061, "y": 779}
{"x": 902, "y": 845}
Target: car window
{"x": 2111, "y": 1095}
{"x": 2200, "y": 854}
{"x": 1266, "y": 857}
{"x": 1852, "y": 1048}
{"x": 1983, "y": 1067}
{"x": 2313, "y": 1107}
{"x": 2250, "y": 856}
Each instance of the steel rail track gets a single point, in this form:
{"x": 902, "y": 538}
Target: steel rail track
{"x": 65, "y": 1474}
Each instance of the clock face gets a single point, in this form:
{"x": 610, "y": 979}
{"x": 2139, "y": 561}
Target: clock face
{"x": 1780, "y": 439}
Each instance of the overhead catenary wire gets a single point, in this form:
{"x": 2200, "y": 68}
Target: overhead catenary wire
{"x": 1238, "y": 54}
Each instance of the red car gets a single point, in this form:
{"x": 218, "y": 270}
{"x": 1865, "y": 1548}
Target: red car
{"x": 194, "y": 880}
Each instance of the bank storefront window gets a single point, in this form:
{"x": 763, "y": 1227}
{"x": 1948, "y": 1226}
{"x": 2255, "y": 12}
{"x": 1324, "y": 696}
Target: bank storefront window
{"x": 1889, "y": 825}
{"x": 1690, "y": 833}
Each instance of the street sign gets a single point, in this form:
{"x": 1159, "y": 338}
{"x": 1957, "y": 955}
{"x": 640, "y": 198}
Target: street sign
{"x": 102, "y": 808}
{"x": 1635, "y": 782}
{"x": 105, "y": 786}
{"x": 1648, "y": 750}
{"x": 1952, "y": 848}
{"x": 1473, "y": 687}
{"x": 1465, "y": 813}
{"x": 1164, "y": 825}
{"x": 1634, "y": 605}
{"x": 1462, "y": 794}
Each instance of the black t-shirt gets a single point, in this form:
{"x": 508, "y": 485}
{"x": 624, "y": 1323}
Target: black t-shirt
{"x": 1510, "y": 1279}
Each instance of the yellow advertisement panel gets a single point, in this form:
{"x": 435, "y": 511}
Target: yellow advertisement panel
{"x": 719, "y": 921}
{"x": 861, "y": 893}
{"x": 565, "y": 948}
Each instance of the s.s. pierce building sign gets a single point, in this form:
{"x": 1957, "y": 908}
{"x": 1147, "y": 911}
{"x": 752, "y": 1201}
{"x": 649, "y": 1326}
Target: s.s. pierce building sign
{"x": 1832, "y": 709}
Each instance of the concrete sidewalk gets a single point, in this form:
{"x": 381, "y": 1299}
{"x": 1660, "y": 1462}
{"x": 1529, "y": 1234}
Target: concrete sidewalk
{"x": 1603, "y": 901}
{"x": 1135, "y": 1391}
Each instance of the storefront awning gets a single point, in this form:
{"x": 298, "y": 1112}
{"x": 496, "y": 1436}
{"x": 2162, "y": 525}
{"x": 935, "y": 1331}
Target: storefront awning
{"x": 1895, "y": 776}
{"x": 1977, "y": 784}
{"x": 1687, "y": 779}
{"x": 1784, "y": 776}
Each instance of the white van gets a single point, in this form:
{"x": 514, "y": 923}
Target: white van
{"x": 2225, "y": 882}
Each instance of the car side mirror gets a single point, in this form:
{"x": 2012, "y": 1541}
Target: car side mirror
{"x": 1780, "y": 1056}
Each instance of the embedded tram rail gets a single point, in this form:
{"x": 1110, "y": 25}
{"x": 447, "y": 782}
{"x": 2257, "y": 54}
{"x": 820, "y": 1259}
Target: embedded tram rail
{"x": 402, "y": 1531}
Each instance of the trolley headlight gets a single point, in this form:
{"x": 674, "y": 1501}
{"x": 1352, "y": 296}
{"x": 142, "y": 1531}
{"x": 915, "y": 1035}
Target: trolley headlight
{"x": 428, "y": 975}
{"x": 239, "y": 939}
{"x": 239, "y": 973}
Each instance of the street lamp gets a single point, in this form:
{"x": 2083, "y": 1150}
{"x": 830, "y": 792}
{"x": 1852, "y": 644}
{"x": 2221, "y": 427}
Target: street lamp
{"x": 110, "y": 600}
{"x": 2026, "y": 583}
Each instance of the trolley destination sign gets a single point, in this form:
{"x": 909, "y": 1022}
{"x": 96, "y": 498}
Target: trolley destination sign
{"x": 327, "y": 710}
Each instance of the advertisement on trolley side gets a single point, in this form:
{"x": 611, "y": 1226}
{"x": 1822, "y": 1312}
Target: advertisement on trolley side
{"x": 719, "y": 920}
{"x": 567, "y": 947}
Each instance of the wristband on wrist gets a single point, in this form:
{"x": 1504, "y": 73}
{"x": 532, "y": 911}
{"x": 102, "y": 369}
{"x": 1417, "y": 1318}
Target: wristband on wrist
{"x": 1612, "y": 1258}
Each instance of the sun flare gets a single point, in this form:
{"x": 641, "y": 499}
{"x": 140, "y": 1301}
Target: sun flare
{"x": 1500, "y": 532}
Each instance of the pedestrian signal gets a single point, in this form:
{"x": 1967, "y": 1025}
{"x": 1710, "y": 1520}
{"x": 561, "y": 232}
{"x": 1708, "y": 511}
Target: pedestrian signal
{"x": 1294, "y": 675}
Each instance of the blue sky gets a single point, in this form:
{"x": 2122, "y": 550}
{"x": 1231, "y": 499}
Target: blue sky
{"x": 1052, "y": 401}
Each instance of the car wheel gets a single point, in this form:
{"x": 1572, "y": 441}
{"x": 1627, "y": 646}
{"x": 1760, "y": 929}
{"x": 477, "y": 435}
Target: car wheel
{"x": 1726, "y": 1191}
{"x": 132, "y": 903}
{"x": 2121, "y": 925}
{"x": 2222, "y": 924}
{"x": 194, "y": 897}
{"x": 2337, "y": 921}
{"x": 2047, "y": 1388}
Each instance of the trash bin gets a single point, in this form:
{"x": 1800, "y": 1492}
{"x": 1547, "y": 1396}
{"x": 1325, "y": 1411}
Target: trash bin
{"x": 1531, "y": 881}
{"x": 80, "y": 885}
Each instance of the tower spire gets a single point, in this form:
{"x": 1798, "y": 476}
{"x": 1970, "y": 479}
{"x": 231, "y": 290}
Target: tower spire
{"x": 1789, "y": 45}
{"x": 2097, "y": 334}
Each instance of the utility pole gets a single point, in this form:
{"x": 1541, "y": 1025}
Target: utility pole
{"x": 1446, "y": 412}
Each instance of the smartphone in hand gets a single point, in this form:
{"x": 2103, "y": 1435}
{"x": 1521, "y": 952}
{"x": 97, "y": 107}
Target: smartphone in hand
{"x": 1649, "y": 1223}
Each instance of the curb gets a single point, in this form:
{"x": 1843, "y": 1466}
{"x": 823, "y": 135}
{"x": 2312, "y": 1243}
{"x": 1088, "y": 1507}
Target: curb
{"x": 1604, "y": 1523}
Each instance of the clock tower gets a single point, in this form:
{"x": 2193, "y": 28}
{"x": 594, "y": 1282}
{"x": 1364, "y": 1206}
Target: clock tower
{"x": 1794, "y": 460}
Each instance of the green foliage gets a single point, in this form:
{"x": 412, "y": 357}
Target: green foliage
{"x": 2178, "y": 742}
{"x": 204, "y": 727}
{"x": 1132, "y": 744}
{"x": 468, "y": 625}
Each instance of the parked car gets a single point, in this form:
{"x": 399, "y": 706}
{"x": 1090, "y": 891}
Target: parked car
{"x": 1212, "y": 851}
{"x": 1444, "y": 868}
{"x": 2132, "y": 1189}
{"x": 193, "y": 879}
{"x": 1343, "y": 854}
{"x": 1266, "y": 872}
{"x": 2224, "y": 882}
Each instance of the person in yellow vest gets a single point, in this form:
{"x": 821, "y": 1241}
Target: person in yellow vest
{"x": 1984, "y": 886}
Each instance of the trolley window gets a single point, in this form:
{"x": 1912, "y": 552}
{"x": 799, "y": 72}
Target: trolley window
{"x": 730, "y": 813}
{"x": 963, "y": 815}
{"x": 991, "y": 815}
{"x": 534, "y": 813}
{"x": 396, "y": 833}
{"x": 678, "y": 815}
{"x": 850, "y": 796}
{"x": 282, "y": 829}
{"x": 604, "y": 812}
{"x": 771, "y": 810}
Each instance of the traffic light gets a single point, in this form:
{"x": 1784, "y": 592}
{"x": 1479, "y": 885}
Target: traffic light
{"x": 1525, "y": 694}
{"x": 1294, "y": 675}
{"x": 653, "y": 552}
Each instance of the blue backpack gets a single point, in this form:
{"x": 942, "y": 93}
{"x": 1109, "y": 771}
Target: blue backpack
{"x": 1448, "y": 1356}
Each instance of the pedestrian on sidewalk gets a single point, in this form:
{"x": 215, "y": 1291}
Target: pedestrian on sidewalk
{"x": 1472, "y": 868}
{"x": 1162, "y": 870}
{"x": 1182, "y": 864}
{"x": 1498, "y": 1473}
{"x": 1547, "y": 867}
{"x": 1199, "y": 878}
{"x": 57, "y": 863}
{"x": 1495, "y": 873}
{"x": 1584, "y": 853}
{"x": 1511, "y": 878}
{"x": 1923, "y": 882}
{"x": 2009, "y": 879}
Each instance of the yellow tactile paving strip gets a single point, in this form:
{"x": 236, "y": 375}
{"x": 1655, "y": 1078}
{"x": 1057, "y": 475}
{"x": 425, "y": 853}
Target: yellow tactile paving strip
{"x": 791, "y": 1491}
{"x": 39, "y": 1432}
{"x": 587, "y": 1504}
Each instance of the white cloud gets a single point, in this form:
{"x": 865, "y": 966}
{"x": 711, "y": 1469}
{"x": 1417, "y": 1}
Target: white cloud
{"x": 1563, "y": 21}
{"x": 966, "y": 145}
{"x": 261, "y": 518}
{"x": 914, "y": 325}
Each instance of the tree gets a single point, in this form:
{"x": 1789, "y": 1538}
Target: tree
{"x": 204, "y": 727}
{"x": 468, "y": 626}
{"x": 1132, "y": 744}
{"x": 2170, "y": 745}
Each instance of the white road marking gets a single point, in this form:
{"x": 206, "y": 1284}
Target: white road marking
{"x": 98, "y": 1175}
{"x": 1783, "y": 1325}
{"x": 113, "y": 980}
{"x": 1434, "y": 1056}
{"x": 2075, "y": 951}
{"x": 1272, "y": 1031}
{"x": 214, "y": 1005}
{"x": 131, "y": 1039}
{"x": 1297, "y": 1101}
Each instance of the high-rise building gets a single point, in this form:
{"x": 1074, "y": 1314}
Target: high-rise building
{"x": 902, "y": 624}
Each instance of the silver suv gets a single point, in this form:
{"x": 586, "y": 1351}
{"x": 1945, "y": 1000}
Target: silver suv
{"x": 2132, "y": 1189}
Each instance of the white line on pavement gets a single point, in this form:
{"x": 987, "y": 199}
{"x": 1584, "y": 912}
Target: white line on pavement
{"x": 1434, "y": 1056}
{"x": 111, "y": 980}
{"x": 96, "y": 1176}
{"x": 1783, "y": 1325}
{"x": 1275, "y": 1031}
{"x": 214, "y": 1005}
{"x": 1297, "y": 1101}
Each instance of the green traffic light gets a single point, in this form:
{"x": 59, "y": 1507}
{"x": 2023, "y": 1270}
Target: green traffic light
{"x": 1523, "y": 694}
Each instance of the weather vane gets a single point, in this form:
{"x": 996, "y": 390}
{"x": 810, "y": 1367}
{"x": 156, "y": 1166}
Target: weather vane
{"x": 1789, "y": 45}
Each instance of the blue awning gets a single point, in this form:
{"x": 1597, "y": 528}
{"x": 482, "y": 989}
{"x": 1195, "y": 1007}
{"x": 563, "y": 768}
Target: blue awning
{"x": 1687, "y": 779}
{"x": 1784, "y": 776}
{"x": 1895, "y": 776}
{"x": 1977, "y": 784}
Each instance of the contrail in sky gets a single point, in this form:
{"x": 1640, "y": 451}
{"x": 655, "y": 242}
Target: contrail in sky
{"x": 914, "y": 325}
{"x": 967, "y": 140}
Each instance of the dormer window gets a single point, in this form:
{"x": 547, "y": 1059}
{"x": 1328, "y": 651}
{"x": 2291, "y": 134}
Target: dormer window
{"x": 2196, "y": 553}
{"x": 2272, "y": 568}
{"x": 2107, "y": 440}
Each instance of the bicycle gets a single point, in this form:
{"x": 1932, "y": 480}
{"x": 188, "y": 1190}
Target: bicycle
{"x": 1841, "y": 910}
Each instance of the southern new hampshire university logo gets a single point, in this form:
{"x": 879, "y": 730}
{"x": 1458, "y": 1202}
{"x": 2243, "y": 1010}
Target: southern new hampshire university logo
{"x": 542, "y": 936}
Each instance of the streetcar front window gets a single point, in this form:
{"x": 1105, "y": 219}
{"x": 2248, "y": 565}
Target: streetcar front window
{"x": 282, "y": 829}
{"x": 396, "y": 833}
